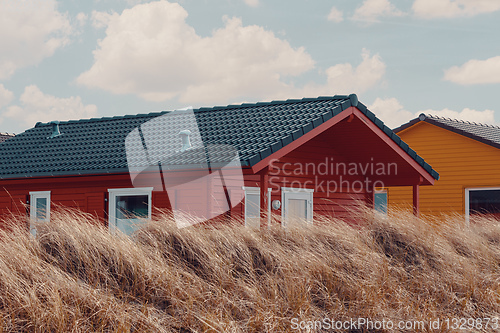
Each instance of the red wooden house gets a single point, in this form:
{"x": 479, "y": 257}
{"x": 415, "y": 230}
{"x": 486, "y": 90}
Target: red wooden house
{"x": 296, "y": 158}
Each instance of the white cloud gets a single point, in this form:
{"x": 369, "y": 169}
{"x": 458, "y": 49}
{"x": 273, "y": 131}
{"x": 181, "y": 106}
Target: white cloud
{"x": 81, "y": 18}
{"x": 150, "y": 50}
{"x": 30, "y": 30}
{"x": 371, "y": 10}
{"x": 453, "y": 8}
{"x": 335, "y": 15}
{"x": 475, "y": 72}
{"x": 37, "y": 106}
{"x": 393, "y": 114}
{"x": 160, "y": 57}
{"x": 6, "y": 96}
{"x": 252, "y": 3}
{"x": 101, "y": 19}
{"x": 343, "y": 78}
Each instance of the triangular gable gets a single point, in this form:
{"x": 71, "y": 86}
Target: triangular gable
{"x": 487, "y": 134}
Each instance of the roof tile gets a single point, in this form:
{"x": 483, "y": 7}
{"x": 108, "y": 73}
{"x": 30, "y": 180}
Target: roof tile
{"x": 489, "y": 134}
{"x": 97, "y": 145}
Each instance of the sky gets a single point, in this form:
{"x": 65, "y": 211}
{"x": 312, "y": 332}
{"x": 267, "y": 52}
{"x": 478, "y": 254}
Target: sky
{"x": 62, "y": 60}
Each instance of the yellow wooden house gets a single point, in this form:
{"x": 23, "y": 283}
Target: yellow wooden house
{"x": 467, "y": 157}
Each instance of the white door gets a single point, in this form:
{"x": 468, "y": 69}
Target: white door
{"x": 39, "y": 208}
{"x": 297, "y": 207}
{"x": 252, "y": 207}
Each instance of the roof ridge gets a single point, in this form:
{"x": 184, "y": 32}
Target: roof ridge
{"x": 463, "y": 121}
{"x": 204, "y": 109}
{"x": 72, "y": 121}
{"x": 287, "y": 101}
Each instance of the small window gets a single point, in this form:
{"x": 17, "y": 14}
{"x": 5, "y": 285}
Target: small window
{"x": 252, "y": 207}
{"x": 129, "y": 208}
{"x": 297, "y": 206}
{"x": 485, "y": 201}
{"x": 39, "y": 208}
{"x": 380, "y": 201}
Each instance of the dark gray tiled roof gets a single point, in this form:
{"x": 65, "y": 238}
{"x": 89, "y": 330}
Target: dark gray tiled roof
{"x": 489, "y": 134}
{"x": 5, "y": 136}
{"x": 93, "y": 146}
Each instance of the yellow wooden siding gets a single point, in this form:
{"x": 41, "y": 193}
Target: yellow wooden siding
{"x": 461, "y": 162}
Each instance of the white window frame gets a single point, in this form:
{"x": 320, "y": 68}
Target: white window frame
{"x": 256, "y": 190}
{"x": 39, "y": 195}
{"x": 114, "y": 192}
{"x": 250, "y": 190}
{"x": 467, "y": 199}
{"x": 33, "y": 197}
{"x": 269, "y": 190}
{"x": 296, "y": 193}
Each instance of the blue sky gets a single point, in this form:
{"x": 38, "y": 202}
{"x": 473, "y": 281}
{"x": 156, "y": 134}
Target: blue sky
{"x": 74, "y": 59}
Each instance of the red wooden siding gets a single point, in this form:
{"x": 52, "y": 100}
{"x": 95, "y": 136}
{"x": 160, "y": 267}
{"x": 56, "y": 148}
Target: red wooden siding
{"x": 89, "y": 193}
{"x": 301, "y": 168}
{"x": 86, "y": 193}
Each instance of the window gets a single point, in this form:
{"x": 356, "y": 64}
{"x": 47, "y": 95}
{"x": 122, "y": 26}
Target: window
{"x": 297, "y": 206}
{"x": 252, "y": 207}
{"x": 380, "y": 201}
{"x": 39, "y": 208}
{"x": 129, "y": 208}
{"x": 482, "y": 201}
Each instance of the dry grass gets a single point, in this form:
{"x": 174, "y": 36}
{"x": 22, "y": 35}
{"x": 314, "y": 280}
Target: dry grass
{"x": 77, "y": 277}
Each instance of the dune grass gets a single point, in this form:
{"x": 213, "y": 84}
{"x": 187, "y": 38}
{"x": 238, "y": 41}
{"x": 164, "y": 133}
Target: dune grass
{"x": 77, "y": 277}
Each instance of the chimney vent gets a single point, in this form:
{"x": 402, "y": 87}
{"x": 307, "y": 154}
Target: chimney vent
{"x": 55, "y": 129}
{"x": 186, "y": 143}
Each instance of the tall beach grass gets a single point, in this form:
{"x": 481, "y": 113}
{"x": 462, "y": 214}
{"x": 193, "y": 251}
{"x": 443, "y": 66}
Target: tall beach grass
{"x": 75, "y": 276}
